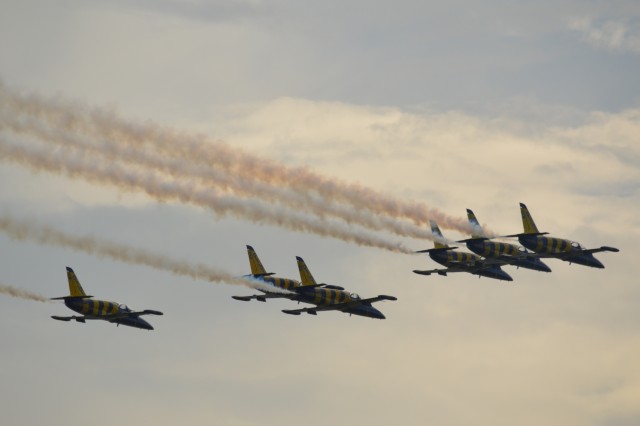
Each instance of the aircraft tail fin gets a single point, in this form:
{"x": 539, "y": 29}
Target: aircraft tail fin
{"x": 75, "y": 289}
{"x": 476, "y": 228}
{"x": 254, "y": 262}
{"x": 305, "y": 275}
{"x": 527, "y": 221}
{"x": 439, "y": 241}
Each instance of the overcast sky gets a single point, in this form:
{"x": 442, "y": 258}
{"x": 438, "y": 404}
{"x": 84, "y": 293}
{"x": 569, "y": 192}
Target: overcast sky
{"x": 457, "y": 105}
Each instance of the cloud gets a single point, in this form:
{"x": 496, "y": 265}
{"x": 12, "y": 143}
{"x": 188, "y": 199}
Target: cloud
{"x": 611, "y": 35}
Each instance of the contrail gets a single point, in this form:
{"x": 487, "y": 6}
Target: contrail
{"x": 195, "y": 149}
{"x": 162, "y": 190}
{"x": 22, "y": 294}
{"x": 31, "y": 231}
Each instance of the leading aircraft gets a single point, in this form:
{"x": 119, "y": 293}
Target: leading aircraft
{"x": 510, "y": 254}
{"x": 559, "y": 248}
{"x": 324, "y": 296}
{"x": 78, "y": 301}
{"x": 457, "y": 261}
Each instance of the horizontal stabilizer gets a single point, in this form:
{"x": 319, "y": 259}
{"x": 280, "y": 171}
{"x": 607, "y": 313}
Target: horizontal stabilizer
{"x": 524, "y": 234}
{"x": 291, "y": 312}
{"x": 333, "y": 287}
{"x": 468, "y": 240}
{"x": 71, "y": 297}
{"x": 307, "y": 287}
{"x": 436, "y": 249}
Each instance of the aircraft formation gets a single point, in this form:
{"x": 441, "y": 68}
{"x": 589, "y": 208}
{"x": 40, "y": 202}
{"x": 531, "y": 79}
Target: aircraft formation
{"x": 488, "y": 256}
{"x": 485, "y": 260}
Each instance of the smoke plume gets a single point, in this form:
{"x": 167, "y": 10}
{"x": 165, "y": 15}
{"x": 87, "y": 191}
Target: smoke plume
{"x": 156, "y": 186}
{"x": 21, "y": 294}
{"x": 31, "y": 231}
{"x": 216, "y": 164}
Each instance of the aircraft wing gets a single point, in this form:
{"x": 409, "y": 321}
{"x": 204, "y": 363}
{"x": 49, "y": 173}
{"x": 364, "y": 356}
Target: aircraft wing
{"x": 73, "y": 317}
{"x": 136, "y": 314}
{"x": 568, "y": 255}
{"x": 264, "y": 297}
{"x": 603, "y": 248}
{"x": 464, "y": 267}
{"x": 338, "y": 306}
{"x": 442, "y": 272}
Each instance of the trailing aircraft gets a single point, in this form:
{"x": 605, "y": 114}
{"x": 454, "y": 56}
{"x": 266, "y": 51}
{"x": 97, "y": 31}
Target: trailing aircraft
{"x": 510, "y": 254}
{"x": 457, "y": 261}
{"x": 559, "y": 248}
{"x": 274, "y": 287}
{"x": 324, "y": 296}
{"x": 80, "y": 302}
{"x": 328, "y": 297}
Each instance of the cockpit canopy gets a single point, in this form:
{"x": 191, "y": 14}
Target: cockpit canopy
{"x": 124, "y": 307}
{"x": 576, "y": 245}
{"x": 354, "y": 296}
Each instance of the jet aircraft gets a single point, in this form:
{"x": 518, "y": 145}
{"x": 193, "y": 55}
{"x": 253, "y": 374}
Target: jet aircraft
{"x": 78, "y": 301}
{"x": 510, "y": 254}
{"x": 559, "y": 248}
{"x": 457, "y": 261}
{"x": 324, "y": 296}
{"x": 283, "y": 288}
{"x": 328, "y": 297}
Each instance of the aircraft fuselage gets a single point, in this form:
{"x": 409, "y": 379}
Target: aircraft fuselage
{"x": 493, "y": 249}
{"x": 100, "y": 309}
{"x": 452, "y": 258}
{"x": 328, "y": 296}
{"x": 560, "y": 248}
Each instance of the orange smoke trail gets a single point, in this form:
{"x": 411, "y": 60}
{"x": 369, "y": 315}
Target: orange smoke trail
{"x": 196, "y": 150}
{"x": 153, "y": 185}
{"x": 214, "y": 178}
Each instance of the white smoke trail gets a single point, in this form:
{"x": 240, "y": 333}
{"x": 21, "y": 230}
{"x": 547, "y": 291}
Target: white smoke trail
{"x": 193, "y": 149}
{"x": 31, "y": 231}
{"x": 153, "y": 185}
{"x": 22, "y": 294}
{"x": 211, "y": 178}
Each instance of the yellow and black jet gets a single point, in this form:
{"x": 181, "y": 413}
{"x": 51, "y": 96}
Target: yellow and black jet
{"x": 325, "y": 297}
{"x": 458, "y": 261}
{"x": 274, "y": 287}
{"x": 559, "y": 248}
{"x": 80, "y": 302}
{"x": 328, "y": 297}
{"x": 509, "y": 254}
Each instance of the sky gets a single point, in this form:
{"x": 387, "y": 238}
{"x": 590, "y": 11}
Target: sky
{"x": 451, "y": 105}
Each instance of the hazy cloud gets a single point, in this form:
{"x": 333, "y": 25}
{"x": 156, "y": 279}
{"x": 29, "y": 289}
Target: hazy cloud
{"x": 615, "y": 36}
